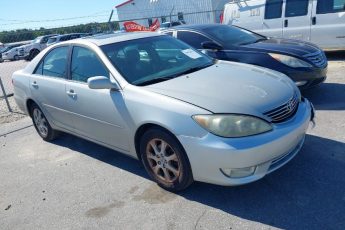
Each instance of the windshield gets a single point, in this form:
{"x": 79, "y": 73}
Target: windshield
{"x": 230, "y": 36}
{"x": 37, "y": 40}
{"x": 165, "y": 25}
{"x": 150, "y": 60}
{"x": 51, "y": 40}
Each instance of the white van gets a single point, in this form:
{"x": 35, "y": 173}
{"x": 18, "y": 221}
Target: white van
{"x": 318, "y": 21}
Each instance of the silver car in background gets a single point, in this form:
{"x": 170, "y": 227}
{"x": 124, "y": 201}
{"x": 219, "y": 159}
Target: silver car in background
{"x": 184, "y": 115}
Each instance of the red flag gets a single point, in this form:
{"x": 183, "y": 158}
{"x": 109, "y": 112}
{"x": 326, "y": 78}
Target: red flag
{"x": 133, "y": 26}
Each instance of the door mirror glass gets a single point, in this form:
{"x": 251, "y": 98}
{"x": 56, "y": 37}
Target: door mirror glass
{"x": 101, "y": 82}
{"x": 211, "y": 46}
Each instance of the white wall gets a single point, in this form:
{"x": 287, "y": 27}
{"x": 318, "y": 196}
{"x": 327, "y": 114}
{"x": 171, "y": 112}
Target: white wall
{"x": 157, "y": 8}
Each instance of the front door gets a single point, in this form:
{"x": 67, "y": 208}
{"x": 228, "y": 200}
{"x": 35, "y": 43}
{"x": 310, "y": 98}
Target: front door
{"x": 47, "y": 86}
{"x": 96, "y": 112}
{"x": 297, "y": 19}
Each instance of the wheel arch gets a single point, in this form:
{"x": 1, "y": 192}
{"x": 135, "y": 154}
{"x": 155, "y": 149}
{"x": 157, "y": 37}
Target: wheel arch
{"x": 144, "y": 128}
{"x": 29, "y": 103}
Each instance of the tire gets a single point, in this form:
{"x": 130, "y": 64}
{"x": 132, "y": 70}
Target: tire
{"x": 15, "y": 58}
{"x": 41, "y": 124}
{"x": 169, "y": 167}
{"x": 33, "y": 54}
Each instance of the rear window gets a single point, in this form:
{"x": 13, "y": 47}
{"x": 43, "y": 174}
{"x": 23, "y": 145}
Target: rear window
{"x": 295, "y": 8}
{"x": 330, "y": 6}
{"x": 273, "y": 9}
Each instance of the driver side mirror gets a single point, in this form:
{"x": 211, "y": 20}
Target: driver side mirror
{"x": 210, "y": 45}
{"x": 101, "y": 82}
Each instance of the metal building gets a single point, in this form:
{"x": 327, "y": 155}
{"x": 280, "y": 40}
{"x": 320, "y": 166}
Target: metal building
{"x": 190, "y": 11}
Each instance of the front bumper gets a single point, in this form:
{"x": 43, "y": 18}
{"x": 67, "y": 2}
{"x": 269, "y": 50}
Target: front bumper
{"x": 266, "y": 152}
{"x": 309, "y": 78}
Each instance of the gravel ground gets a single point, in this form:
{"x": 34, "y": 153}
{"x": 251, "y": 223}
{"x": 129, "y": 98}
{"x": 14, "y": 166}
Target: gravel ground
{"x": 5, "y": 115}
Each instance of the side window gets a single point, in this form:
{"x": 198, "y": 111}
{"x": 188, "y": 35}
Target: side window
{"x": 295, "y": 8}
{"x": 54, "y": 63}
{"x": 273, "y": 9}
{"x": 74, "y": 36}
{"x": 39, "y": 69}
{"x": 192, "y": 39}
{"x": 64, "y": 38}
{"x": 330, "y": 6}
{"x": 86, "y": 64}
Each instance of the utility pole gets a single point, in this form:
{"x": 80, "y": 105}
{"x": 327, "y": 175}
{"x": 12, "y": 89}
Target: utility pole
{"x": 171, "y": 12}
{"x": 109, "y": 21}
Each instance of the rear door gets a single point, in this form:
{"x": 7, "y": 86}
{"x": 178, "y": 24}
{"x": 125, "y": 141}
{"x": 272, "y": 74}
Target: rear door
{"x": 47, "y": 86}
{"x": 328, "y": 24}
{"x": 272, "y": 25}
{"x": 297, "y": 19}
{"x": 97, "y": 113}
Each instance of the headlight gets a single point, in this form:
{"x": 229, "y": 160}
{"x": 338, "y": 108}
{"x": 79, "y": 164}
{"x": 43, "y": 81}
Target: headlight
{"x": 290, "y": 61}
{"x": 232, "y": 125}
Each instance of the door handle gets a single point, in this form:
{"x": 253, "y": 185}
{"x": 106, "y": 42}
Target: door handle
{"x": 313, "y": 20}
{"x": 286, "y": 23}
{"x": 34, "y": 84}
{"x": 71, "y": 93}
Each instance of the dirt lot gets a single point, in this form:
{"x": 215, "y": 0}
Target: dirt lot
{"x": 74, "y": 184}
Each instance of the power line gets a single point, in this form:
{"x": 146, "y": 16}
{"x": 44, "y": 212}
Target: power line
{"x": 18, "y": 22}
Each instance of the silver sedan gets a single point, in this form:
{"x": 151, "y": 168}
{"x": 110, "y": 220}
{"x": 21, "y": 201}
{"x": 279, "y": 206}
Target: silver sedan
{"x": 186, "y": 116}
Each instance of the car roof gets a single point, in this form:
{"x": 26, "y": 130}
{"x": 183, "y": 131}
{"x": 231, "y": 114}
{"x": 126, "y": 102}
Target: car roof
{"x": 105, "y": 39}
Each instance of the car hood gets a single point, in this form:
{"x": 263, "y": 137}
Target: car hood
{"x": 228, "y": 87}
{"x": 287, "y": 46}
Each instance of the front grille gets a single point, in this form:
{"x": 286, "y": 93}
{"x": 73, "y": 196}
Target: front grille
{"x": 285, "y": 111}
{"x": 318, "y": 58}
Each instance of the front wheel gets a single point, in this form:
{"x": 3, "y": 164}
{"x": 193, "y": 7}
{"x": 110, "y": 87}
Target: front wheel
{"x": 42, "y": 125}
{"x": 165, "y": 160}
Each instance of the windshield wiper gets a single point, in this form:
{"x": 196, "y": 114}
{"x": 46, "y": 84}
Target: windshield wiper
{"x": 160, "y": 79}
{"x": 153, "y": 81}
{"x": 252, "y": 42}
{"x": 194, "y": 69}
{"x": 260, "y": 40}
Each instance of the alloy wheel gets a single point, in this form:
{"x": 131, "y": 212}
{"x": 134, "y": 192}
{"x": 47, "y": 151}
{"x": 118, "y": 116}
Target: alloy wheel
{"x": 40, "y": 122}
{"x": 163, "y": 160}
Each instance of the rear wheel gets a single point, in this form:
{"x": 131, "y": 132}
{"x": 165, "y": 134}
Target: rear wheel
{"x": 33, "y": 54}
{"x": 42, "y": 125}
{"x": 165, "y": 160}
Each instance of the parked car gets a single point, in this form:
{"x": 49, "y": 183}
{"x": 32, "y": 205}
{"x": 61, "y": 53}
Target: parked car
{"x": 29, "y": 51}
{"x": 303, "y": 62}
{"x": 166, "y": 25}
{"x": 183, "y": 115}
{"x": 11, "y": 55}
{"x": 65, "y": 37}
{"x": 9, "y": 46}
{"x": 318, "y": 21}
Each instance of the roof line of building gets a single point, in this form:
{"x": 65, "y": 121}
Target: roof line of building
{"x": 124, "y": 3}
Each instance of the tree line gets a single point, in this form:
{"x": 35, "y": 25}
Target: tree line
{"x": 29, "y": 34}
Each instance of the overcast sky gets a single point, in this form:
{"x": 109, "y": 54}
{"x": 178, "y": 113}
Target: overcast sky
{"x": 31, "y": 14}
